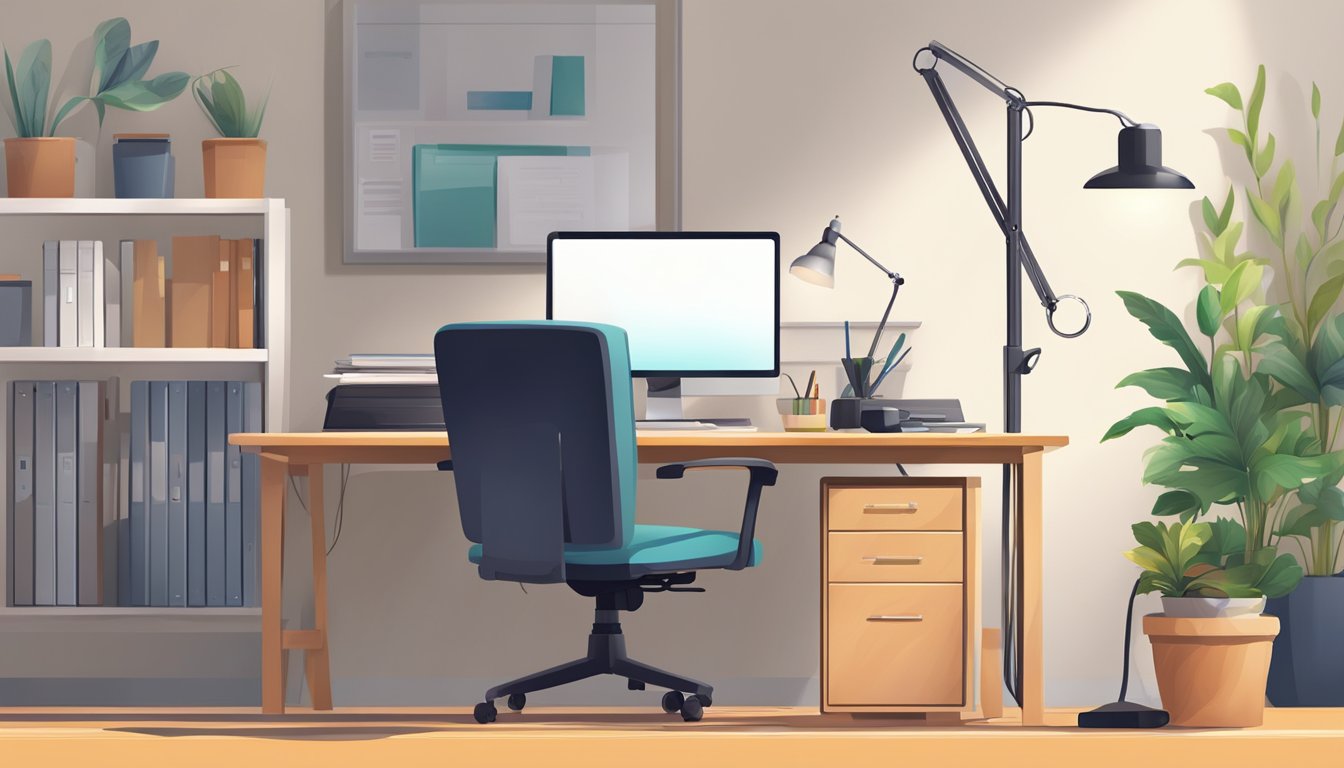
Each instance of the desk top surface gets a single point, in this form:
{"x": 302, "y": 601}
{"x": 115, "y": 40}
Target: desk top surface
{"x": 662, "y": 438}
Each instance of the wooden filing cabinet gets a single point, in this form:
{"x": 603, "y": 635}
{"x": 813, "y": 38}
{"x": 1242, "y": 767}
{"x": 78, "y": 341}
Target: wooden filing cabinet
{"x": 900, "y": 606}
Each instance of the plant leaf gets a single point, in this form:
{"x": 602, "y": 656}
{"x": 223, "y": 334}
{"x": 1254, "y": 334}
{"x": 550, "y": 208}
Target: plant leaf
{"x": 1208, "y": 311}
{"x": 1176, "y": 503}
{"x": 1228, "y": 93}
{"x": 1225, "y": 245}
{"x": 1166, "y": 328}
{"x": 1264, "y": 158}
{"x": 33, "y": 81}
{"x": 1215, "y": 272}
{"x": 1225, "y": 215}
{"x": 1278, "y": 362}
{"x": 1284, "y": 472}
{"x": 1249, "y": 326}
{"x": 1210, "y": 216}
{"x": 69, "y": 106}
{"x": 113, "y": 39}
{"x": 1242, "y": 139}
{"x": 1339, "y": 142}
{"x": 1243, "y": 282}
{"x": 1144, "y": 417}
{"x": 1326, "y": 296}
{"x": 1283, "y": 185}
{"x": 1268, "y": 216}
{"x": 146, "y": 95}
{"x": 1257, "y": 101}
{"x": 1315, "y": 101}
{"x": 1163, "y": 383}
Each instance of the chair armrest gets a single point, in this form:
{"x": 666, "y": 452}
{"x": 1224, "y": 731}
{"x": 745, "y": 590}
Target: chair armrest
{"x": 761, "y": 473}
{"x": 445, "y": 466}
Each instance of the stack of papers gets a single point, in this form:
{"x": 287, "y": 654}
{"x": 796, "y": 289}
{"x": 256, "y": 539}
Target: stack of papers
{"x": 385, "y": 369}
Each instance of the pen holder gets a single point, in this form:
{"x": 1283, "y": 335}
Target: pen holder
{"x": 802, "y": 414}
{"x": 858, "y": 370}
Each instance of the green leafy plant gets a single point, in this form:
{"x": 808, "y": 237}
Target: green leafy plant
{"x": 221, "y": 98}
{"x": 1300, "y": 217}
{"x": 1255, "y": 425}
{"x": 118, "y": 80}
{"x": 1206, "y": 560}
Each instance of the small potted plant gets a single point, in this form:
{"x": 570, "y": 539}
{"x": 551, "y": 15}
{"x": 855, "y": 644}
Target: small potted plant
{"x": 235, "y": 163}
{"x": 1211, "y": 645}
{"x": 37, "y": 162}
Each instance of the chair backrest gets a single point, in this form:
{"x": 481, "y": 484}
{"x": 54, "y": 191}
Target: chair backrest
{"x": 540, "y": 420}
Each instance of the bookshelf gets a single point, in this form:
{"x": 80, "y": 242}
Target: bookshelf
{"x": 111, "y": 220}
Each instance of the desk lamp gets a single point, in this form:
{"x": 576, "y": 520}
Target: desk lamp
{"x": 1139, "y": 166}
{"x": 817, "y": 266}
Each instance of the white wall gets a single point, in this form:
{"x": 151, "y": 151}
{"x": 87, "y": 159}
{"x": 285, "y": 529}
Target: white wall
{"x": 793, "y": 111}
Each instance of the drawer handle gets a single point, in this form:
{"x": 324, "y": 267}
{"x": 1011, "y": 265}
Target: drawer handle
{"x": 905, "y": 506}
{"x": 898, "y": 617}
{"x": 896, "y": 559}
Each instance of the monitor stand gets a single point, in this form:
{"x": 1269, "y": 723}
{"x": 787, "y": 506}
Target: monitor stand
{"x": 664, "y": 405}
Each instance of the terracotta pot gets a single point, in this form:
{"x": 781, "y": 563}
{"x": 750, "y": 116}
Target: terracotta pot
{"x": 1211, "y": 673}
{"x": 234, "y": 167}
{"x": 40, "y": 167}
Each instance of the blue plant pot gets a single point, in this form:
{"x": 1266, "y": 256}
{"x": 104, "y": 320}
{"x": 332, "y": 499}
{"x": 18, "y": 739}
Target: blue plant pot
{"x": 1307, "y": 668}
{"x": 143, "y": 166}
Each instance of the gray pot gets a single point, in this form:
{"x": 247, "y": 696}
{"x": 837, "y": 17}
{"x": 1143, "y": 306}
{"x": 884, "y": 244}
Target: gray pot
{"x": 1307, "y": 668}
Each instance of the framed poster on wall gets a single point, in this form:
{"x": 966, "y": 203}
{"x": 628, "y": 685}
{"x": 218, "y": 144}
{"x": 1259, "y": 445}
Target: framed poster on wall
{"x": 475, "y": 128}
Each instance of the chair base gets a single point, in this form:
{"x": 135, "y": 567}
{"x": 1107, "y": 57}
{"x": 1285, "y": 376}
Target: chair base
{"x": 606, "y": 656}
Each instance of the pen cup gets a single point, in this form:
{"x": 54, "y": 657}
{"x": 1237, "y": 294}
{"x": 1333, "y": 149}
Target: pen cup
{"x": 802, "y": 414}
{"x": 858, "y": 370}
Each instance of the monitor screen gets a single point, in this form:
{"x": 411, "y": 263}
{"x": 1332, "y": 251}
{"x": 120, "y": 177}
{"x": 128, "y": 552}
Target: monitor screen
{"x": 693, "y": 303}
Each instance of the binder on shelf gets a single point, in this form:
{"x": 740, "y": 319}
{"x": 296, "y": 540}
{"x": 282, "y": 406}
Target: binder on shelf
{"x": 44, "y": 494}
{"x": 67, "y": 492}
{"x": 67, "y": 310}
{"x": 113, "y": 469}
{"x": 194, "y": 261}
{"x": 245, "y": 329}
{"x": 158, "y": 493}
{"x": 22, "y": 395}
{"x": 219, "y": 296}
{"x": 149, "y": 323}
{"x": 89, "y": 523}
{"x": 251, "y": 482}
{"x": 177, "y": 493}
{"x": 138, "y": 546}
{"x": 84, "y": 294}
{"x": 51, "y": 289}
{"x": 112, "y": 293}
{"x": 196, "y": 431}
{"x": 259, "y": 294}
{"x": 215, "y": 419}
{"x": 233, "y": 507}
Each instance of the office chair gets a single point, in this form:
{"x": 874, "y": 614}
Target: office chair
{"x": 540, "y": 417}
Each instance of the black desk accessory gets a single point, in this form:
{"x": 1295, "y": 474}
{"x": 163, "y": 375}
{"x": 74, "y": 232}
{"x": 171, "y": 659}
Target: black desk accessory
{"x": 1121, "y": 713}
{"x": 384, "y": 407}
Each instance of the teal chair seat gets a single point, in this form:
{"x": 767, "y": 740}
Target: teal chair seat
{"x": 652, "y": 549}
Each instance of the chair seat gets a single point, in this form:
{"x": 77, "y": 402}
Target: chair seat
{"x": 652, "y": 549}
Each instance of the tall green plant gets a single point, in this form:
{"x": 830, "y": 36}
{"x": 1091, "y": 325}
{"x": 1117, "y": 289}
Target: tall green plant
{"x": 1300, "y": 217}
{"x": 221, "y": 99}
{"x": 118, "y": 80}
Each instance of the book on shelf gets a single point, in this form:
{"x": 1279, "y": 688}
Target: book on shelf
{"x": 194, "y": 262}
{"x": 148, "y": 275}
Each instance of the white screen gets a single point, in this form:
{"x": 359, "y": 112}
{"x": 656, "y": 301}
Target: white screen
{"x": 688, "y": 304}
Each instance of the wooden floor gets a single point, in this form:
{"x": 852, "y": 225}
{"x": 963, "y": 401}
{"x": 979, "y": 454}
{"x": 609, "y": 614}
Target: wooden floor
{"x": 728, "y": 736}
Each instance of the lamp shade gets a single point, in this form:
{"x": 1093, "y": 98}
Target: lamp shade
{"x": 1140, "y": 163}
{"x": 817, "y": 266}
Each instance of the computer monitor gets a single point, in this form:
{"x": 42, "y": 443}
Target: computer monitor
{"x": 694, "y": 304}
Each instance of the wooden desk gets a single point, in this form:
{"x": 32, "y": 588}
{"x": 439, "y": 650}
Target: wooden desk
{"x": 284, "y": 454}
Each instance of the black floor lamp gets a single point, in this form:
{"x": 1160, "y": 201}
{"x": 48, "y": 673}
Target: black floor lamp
{"x": 1139, "y": 167}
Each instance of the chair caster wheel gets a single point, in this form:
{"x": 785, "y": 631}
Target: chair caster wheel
{"x": 634, "y": 685}
{"x": 706, "y": 700}
{"x": 692, "y": 710}
{"x": 485, "y": 712}
{"x": 673, "y": 701}
{"x": 517, "y": 701}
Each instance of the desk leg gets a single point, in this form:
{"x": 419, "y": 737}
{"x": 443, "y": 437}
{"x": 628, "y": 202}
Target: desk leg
{"x": 316, "y": 661}
{"x": 1030, "y": 552}
{"x": 274, "y": 470}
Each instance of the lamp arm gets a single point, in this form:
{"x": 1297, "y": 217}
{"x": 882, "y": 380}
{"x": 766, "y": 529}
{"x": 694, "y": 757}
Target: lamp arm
{"x": 1048, "y": 298}
{"x": 896, "y": 284}
{"x": 1125, "y": 120}
{"x": 865, "y": 255}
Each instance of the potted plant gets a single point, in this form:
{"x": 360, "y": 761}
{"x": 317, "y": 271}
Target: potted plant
{"x": 235, "y": 163}
{"x": 37, "y": 162}
{"x": 1298, "y": 221}
{"x": 1211, "y": 646}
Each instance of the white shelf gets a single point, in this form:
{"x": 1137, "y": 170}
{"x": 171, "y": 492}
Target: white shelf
{"x": 128, "y": 619}
{"x": 54, "y": 206}
{"x": 130, "y": 355}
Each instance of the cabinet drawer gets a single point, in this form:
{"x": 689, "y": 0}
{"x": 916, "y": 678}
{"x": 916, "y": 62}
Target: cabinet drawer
{"x": 895, "y": 645}
{"x": 894, "y": 508}
{"x": 923, "y": 556}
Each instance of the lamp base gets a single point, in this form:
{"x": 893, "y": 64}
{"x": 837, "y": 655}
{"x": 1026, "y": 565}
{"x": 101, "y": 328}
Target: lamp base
{"x": 1123, "y": 714}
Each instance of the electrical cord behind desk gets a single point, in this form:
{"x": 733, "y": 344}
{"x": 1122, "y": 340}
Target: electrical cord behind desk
{"x": 340, "y": 505}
